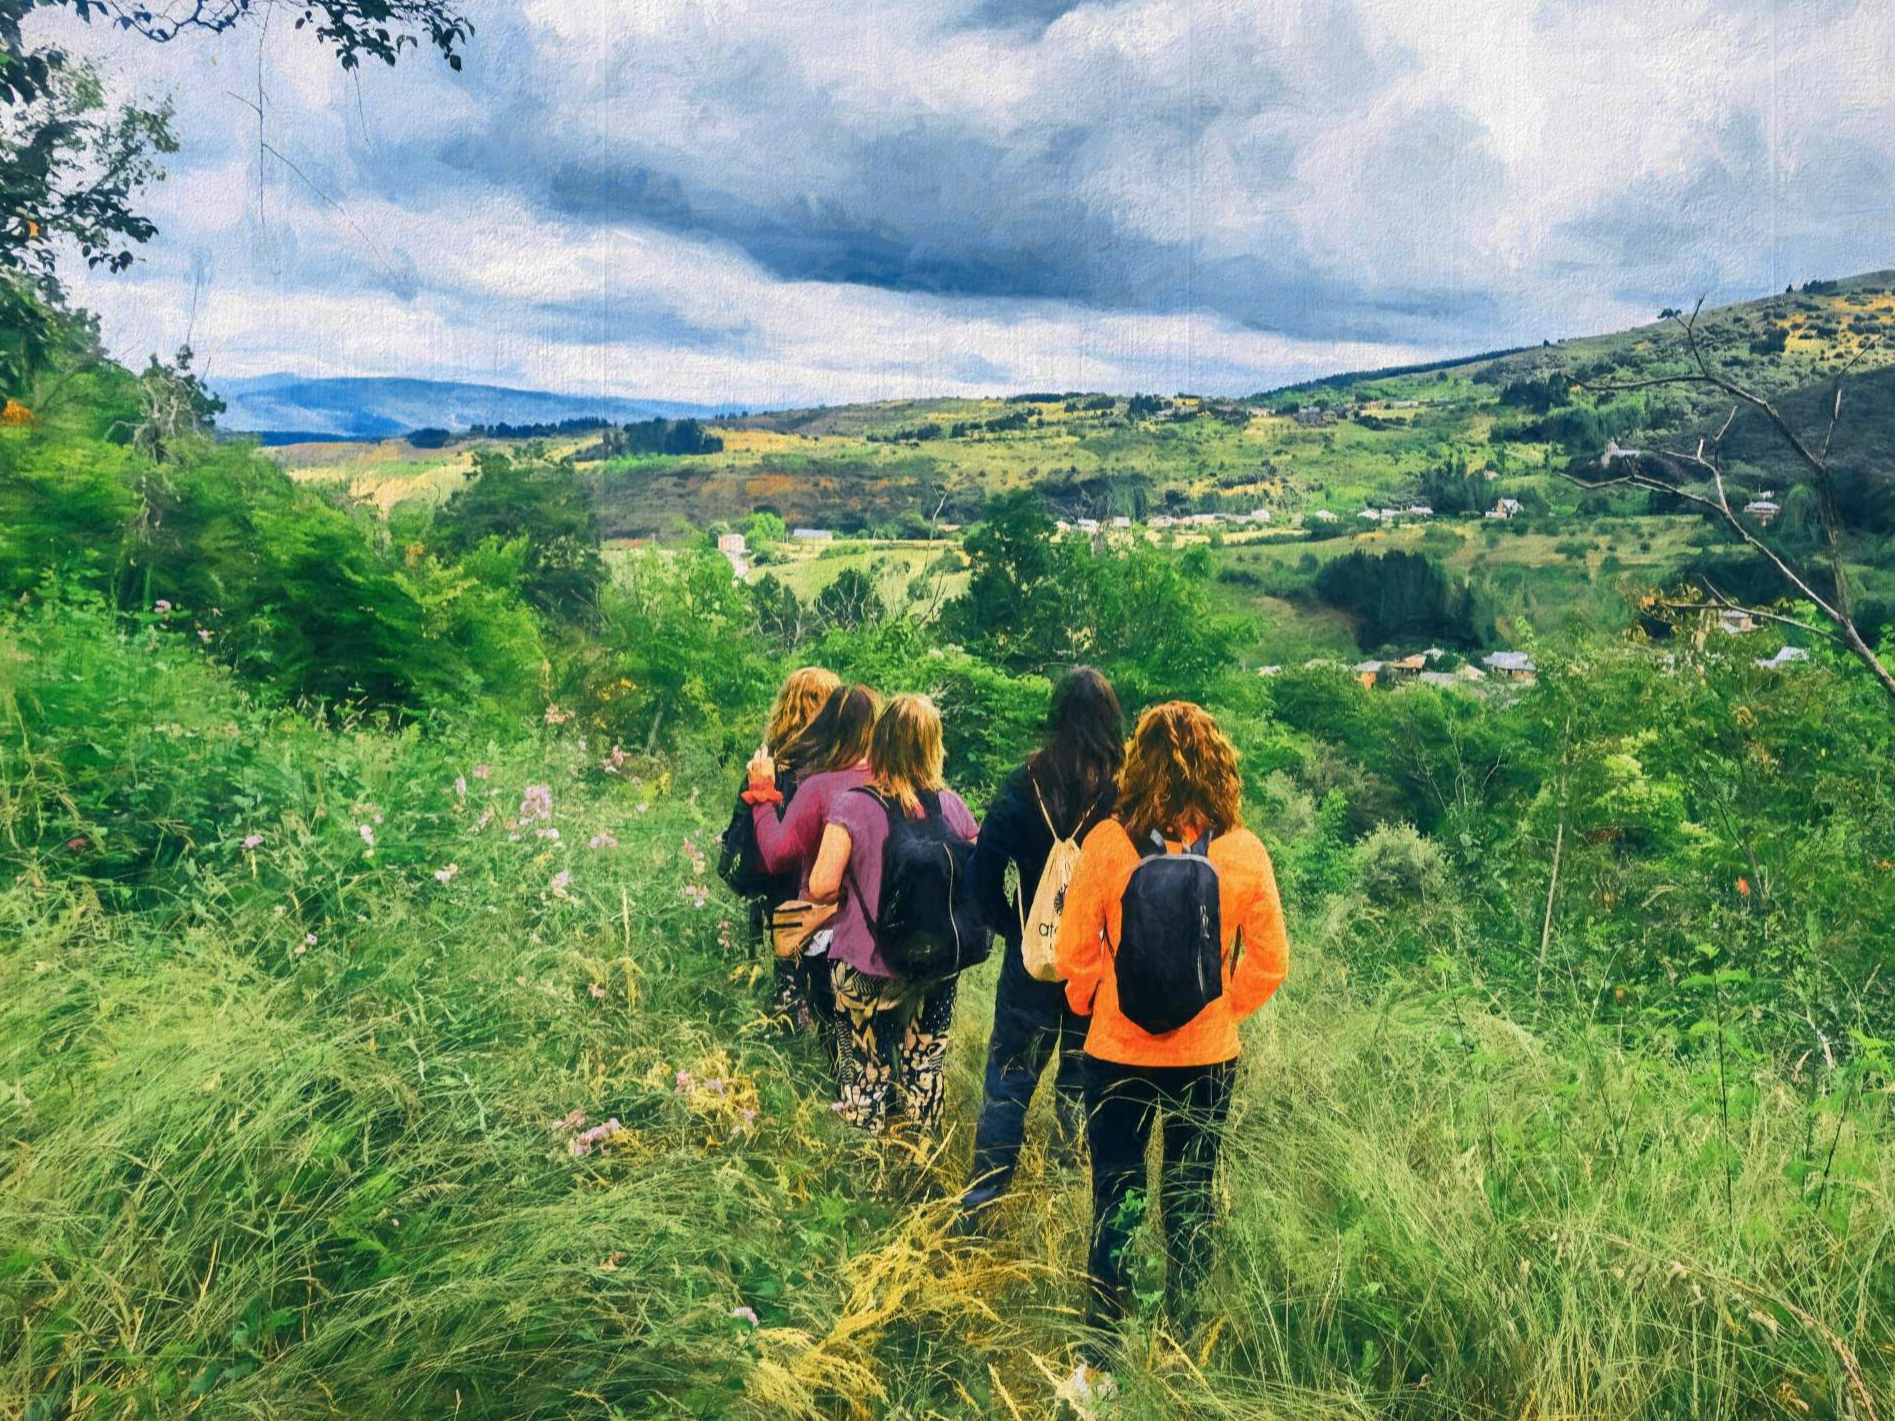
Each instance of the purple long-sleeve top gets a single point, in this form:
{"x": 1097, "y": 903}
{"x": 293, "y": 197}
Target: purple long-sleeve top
{"x": 866, "y": 822}
{"x": 789, "y": 844}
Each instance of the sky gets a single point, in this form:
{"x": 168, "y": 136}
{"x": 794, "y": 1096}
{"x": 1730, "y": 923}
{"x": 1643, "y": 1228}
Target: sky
{"x": 787, "y": 202}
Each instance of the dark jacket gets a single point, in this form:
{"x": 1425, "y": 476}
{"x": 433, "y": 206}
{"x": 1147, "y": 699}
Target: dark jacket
{"x": 1015, "y": 832}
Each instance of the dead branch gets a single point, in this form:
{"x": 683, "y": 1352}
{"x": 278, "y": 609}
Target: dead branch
{"x": 1667, "y": 472}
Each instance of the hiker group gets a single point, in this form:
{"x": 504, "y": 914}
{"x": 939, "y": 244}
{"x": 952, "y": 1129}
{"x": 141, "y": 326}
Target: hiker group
{"x": 1141, "y": 926}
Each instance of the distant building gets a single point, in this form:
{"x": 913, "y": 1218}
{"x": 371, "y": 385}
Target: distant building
{"x": 813, "y": 535}
{"x": 1510, "y": 665}
{"x": 1202, "y": 520}
{"x": 1735, "y": 620}
{"x": 1420, "y": 510}
{"x": 1367, "y": 672}
{"x": 1121, "y": 522}
{"x": 1062, "y": 525}
{"x": 1269, "y": 670}
{"x": 1374, "y": 515}
{"x": 1087, "y": 525}
{"x": 1505, "y": 508}
{"x": 1404, "y": 668}
{"x": 1315, "y": 415}
{"x": 737, "y": 551}
{"x": 1322, "y": 515}
{"x": 1785, "y": 656}
{"x": 1258, "y": 515}
{"x": 1763, "y": 509}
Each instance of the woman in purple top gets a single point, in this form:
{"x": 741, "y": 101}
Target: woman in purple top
{"x": 905, "y": 761}
{"x": 827, "y": 759}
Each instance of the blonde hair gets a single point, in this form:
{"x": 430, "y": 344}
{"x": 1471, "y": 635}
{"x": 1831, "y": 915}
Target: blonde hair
{"x": 796, "y": 705}
{"x": 905, "y": 752}
{"x": 1179, "y": 768}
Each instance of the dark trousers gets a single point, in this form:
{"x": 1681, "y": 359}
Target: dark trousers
{"x": 1031, "y": 1022}
{"x": 1121, "y": 1103}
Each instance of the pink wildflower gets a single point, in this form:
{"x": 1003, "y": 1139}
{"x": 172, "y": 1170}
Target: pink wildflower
{"x": 683, "y": 1079}
{"x": 252, "y": 841}
{"x": 481, "y": 772}
{"x": 560, "y": 881}
{"x": 748, "y": 1315}
{"x": 460, "y": 786}
{"x": 448, "y": 874}
{"x": 596, "y": 991}
{"x": 309, "y": 939}
{"x": 161, "y": 606}
{"x": 367, "y": 833}
{"x": 549, "y": 834}
{"x": 204, "y": 635}
{"x": 582, "y": 1143}
{"x": 573, "y": 1121}
{"x": 604, "y": 839}
{"x": 536, "y": 803}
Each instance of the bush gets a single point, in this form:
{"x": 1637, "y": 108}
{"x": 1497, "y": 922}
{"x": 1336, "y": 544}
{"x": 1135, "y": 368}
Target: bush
{"x": 1396, "y": 864}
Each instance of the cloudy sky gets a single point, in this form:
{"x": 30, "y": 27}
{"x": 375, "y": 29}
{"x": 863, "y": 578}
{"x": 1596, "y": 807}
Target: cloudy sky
{"x": 791, "y": 201}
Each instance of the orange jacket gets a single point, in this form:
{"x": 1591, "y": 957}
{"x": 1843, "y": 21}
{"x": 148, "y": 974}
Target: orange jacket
{"x": 1247, "y": 903}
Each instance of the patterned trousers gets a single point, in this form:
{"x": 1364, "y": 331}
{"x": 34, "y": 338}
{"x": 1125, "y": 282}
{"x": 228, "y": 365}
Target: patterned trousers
{"x": 890, "y": 1028}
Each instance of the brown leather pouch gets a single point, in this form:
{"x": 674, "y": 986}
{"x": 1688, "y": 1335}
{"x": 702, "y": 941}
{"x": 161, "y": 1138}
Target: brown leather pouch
{"x": 792, "y": 925}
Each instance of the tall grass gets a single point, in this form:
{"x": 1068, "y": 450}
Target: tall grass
{"x": 251, "y": 1175}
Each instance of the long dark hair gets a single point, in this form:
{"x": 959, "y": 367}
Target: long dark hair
{"x": 839, "y": 735}
{"x": 1085, "y": 745}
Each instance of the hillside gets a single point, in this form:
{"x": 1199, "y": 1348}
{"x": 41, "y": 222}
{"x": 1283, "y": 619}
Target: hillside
{"x": 380, "y": 1042}
{"x": 1340, "y": 443}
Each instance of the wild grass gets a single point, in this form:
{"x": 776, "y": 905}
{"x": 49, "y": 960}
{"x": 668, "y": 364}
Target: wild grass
{"x": 252, "y": 1174}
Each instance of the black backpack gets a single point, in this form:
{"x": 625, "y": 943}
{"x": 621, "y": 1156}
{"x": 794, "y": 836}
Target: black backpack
{"x": 1169, "y": 963}
{"x": 928, "y": 923}
{"x": 740, "y": 862}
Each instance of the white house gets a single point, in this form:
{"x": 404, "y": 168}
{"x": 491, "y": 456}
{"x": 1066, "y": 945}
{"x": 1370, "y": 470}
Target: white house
{"x": 1763, "y": 509}
{"x": 1784, "y": 657}
{"x": 1087, "y": 525}
{"x": 1121, "y": 522}
{"x": 1372, "y": 514}
{"x": 1512, "y": 665}
{"x": 1323, "y": 515}
{"x": 813, "y": 535}
{"x": 1259, "y": 515}
{"x": 1420, "y": 510}
{"x": 1505, "y": 508}
{"x": 1733, "y": 620}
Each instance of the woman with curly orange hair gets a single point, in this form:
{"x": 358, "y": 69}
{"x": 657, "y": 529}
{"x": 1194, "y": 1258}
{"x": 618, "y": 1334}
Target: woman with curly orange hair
{"x": 1171, "y": 877}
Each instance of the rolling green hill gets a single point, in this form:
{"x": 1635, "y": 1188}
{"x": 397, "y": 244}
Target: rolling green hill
{"x": 1337, "y": 443}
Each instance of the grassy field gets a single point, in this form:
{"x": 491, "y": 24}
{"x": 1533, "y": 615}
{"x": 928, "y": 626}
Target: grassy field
{"x": 291, "y": 1118}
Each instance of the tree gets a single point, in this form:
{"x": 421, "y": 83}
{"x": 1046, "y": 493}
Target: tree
{"x": 1013, "y": 610}
{"x": 849, "y": 602}
{"x": 1697, "y": 477}
{"x": 549, "y": 507}
{"x": 71, "y": 172}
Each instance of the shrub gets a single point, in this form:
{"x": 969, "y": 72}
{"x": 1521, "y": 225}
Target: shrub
{"x": 1396, "y": 864}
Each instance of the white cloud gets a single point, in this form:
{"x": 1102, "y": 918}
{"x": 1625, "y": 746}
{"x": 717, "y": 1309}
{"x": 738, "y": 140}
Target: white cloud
{"x": 777, "y": 200}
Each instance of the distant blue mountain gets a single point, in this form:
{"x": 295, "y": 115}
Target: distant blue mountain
{"x": 374, "y": 407}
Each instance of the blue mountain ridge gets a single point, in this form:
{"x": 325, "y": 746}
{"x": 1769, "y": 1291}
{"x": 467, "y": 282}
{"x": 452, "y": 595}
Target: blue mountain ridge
{"x": 383, "y": 407}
